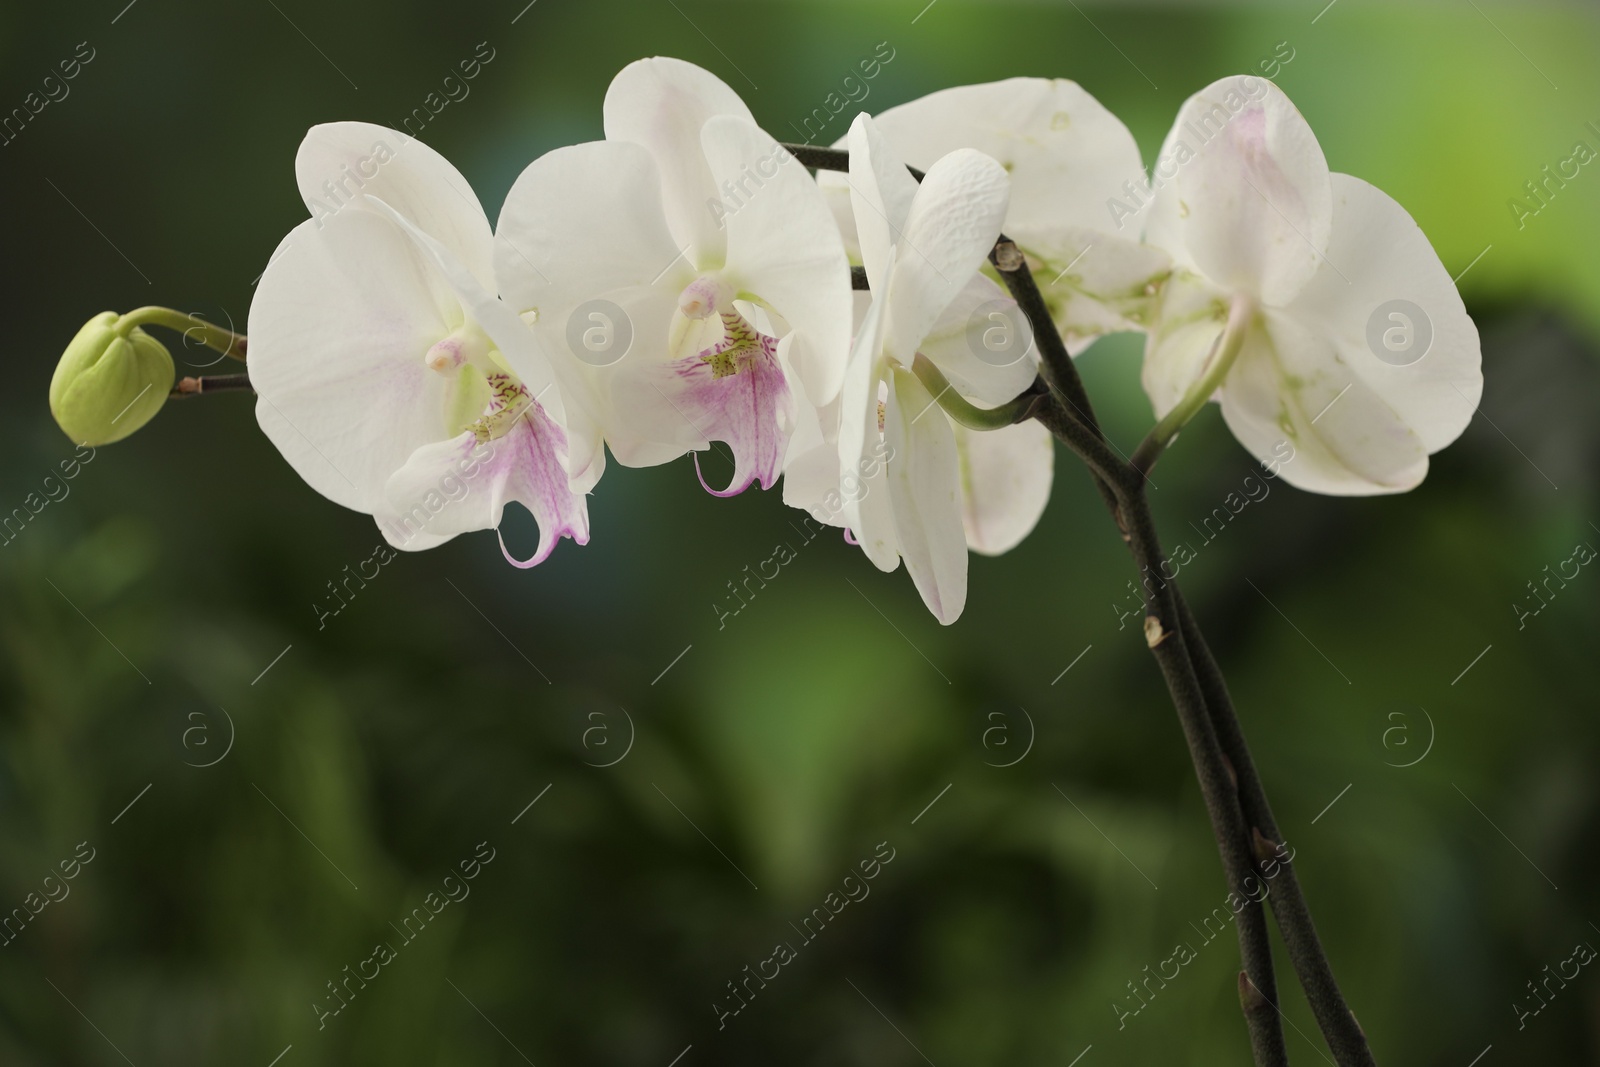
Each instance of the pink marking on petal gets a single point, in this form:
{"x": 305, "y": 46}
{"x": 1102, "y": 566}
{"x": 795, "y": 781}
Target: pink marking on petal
{"x": 701, "y": 478}
{"x": 1251, "y": 127}
{"x": 747, "y": 409}
{"x": 527, "y": 462}
{"x": 850, "y": 537}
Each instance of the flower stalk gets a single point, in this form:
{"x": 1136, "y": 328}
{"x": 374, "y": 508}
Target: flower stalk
{"x": 963, "y": 411}
{"x": 1229, "y": 782}
{"x": 1241, "y": 313}
{"x": 211, "y": 383}
{"x": 1066, "y": 410}
{"x": 211, "y": 335}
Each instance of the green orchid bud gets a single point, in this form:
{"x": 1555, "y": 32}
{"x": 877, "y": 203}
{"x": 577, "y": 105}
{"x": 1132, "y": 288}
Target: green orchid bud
{"x": 111, "y": 380}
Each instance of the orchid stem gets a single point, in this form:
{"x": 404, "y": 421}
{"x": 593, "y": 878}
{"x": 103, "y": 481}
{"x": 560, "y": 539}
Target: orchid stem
{"x": 209, "y": 334}
{"x": 1333, "y": 1015}
{"x": 211, "y": 383}
{"x": 1229, "y": 783}
{"x": 1218, "y": 363}
{"x": 1164, "y": 635}
{"x": 962, "y": 410}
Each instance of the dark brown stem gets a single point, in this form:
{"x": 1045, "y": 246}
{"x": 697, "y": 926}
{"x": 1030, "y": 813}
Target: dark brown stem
{"x": 1334, "y": 1017}
{"x": 1231, "y": 788}
{"x": 1059, "y": 369}
{"x": 211, "y": 383}
{"x": 1164, "y": 634}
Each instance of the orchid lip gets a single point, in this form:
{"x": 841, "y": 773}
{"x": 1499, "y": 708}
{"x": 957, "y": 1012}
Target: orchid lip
{"x": 741, "y": 346}
{"x": 509, "y": 403}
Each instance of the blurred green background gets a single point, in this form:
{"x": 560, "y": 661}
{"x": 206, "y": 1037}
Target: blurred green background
{"x": 140, "y": 611}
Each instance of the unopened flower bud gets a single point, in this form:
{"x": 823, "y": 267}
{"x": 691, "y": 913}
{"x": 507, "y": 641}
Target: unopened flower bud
{"x": 109, "y": 382}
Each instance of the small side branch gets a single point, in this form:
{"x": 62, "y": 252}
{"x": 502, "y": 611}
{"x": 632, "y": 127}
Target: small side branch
{"x": 211, "y": 383}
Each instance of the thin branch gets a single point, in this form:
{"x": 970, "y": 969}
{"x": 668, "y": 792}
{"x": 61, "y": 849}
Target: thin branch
{"x": 1164, "y": 635}
{"x": 1224, "y": 350}
{"x": 963, "y": 411}
{"x": 1310, "y": 961}
{"x": 211, "y": 383}
{"x": 1012, "y": 266}
{"x": 1230, "y": 785}
{"x": 1121, "y": 486}
{"x": 1056, "y": 362}
{"x": 193, "y": 327}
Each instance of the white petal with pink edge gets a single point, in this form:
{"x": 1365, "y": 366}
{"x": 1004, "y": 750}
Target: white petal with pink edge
{"x": 1248, "y": 201}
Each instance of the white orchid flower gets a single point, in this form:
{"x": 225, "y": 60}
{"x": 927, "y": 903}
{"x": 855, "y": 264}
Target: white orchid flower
{"x": 919, "y": 488}
{"x": 687, "y": 269}
{"x": 1073, "y": 165}
{"x": 389, "y": 375}
{"x": 1308, "y": 304}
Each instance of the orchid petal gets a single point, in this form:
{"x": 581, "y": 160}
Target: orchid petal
{"x": 951, "y": 228}
{"x": 1066, "y": 154}
{"x": 1243, "y": 192}
{"x": 811, "y": 465}
{"x": 881, "y": 193}
{"x": 1389, "y": 264}
{"x": 516, "y": 341}
{"x": 1005, "y": 483}
{"x": 983, "y": 344}
{"x": 461, "y": 484}
{"x": 1095, "y": 283}
{"x": 584, "y": 225}
{"x": 339, "y": 325}
{"x": 581, "y": 221}
{"x": 687, "y": 403}
{"x": 341, "y": 162}
{"x": 663, "y": 104}
{"x": 864, "y": 502}
{"x": 1192, "y": 316}
{"x": 1298, "y": 406}
{"x": 924, "y": 482}
{"x": 784, "y": 251}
